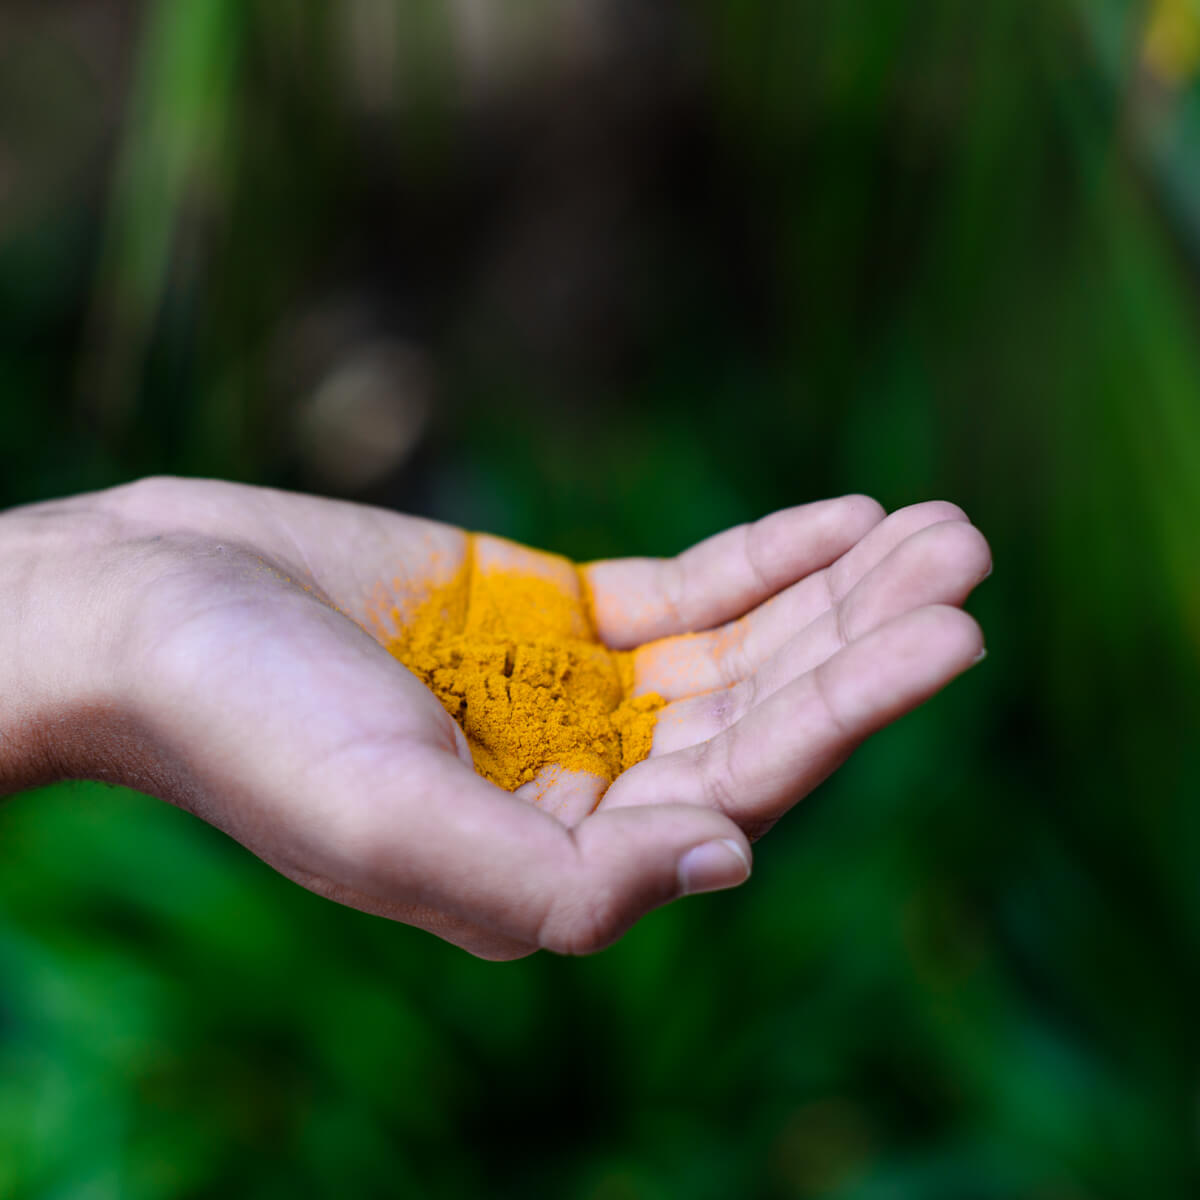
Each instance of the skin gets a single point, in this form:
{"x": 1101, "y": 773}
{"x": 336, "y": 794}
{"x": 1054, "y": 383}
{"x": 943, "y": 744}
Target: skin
{"x": 210, "y": 644}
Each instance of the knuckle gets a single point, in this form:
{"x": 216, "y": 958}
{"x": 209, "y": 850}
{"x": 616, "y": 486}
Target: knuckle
{"x": 843, "y": 727}
{"x": 761, "y": 551}
{"x": 675, "y": 591}
{"x": 716, "y": 774}
{"x": 730, "y": 655}
{"x": 846, "y": 619}
{"x": 742, "y": 699}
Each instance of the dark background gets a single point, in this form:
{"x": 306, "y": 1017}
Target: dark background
{"x": 607, "y": 277}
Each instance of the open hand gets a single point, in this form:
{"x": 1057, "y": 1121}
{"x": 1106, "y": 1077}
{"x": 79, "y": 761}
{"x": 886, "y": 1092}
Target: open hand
{"x": 223, "y": 659}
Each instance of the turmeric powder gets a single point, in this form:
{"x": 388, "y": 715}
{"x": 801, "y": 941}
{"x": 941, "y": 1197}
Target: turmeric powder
{"x": 514, "y": 658}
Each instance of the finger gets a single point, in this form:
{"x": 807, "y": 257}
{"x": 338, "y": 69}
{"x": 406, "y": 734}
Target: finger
{"x": 446, "y": 841}
{"x": 638, "y": 600}
{"x": 885, "y": 537}
{"x": 567, "y": 796}
{"x": 776, "y": 754}
{"x": 685, "y": 666}
{"x": 939, "y": 565}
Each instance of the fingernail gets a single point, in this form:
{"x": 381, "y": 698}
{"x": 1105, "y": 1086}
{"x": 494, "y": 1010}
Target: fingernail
{"x": 979, "y": 657}
{"x": 713, "y": 866}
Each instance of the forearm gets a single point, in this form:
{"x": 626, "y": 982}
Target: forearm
{"x": 60, "y": 574}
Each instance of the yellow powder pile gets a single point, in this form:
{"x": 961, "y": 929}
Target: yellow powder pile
{"x": 514, "y": 659}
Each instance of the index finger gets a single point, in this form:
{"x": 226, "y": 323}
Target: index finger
{"x": 636, "y": 600}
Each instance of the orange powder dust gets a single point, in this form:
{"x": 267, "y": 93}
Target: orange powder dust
{"x": 513, "y": 657}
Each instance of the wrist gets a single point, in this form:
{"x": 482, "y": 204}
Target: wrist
{"x": 61, "y": 583}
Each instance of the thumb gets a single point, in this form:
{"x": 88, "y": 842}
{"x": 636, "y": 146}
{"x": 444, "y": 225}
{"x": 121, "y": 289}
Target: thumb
{"x": 629, "y": 861}
{"x": 452, "y": 843}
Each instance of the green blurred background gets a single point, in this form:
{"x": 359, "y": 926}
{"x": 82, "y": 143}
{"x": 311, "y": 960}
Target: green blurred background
{"x": 606, "y": 277}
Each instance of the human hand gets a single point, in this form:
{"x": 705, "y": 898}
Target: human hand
{"x": 208, "y": 643}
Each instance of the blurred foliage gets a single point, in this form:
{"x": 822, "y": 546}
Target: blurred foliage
{"x": 606, "y": 277}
